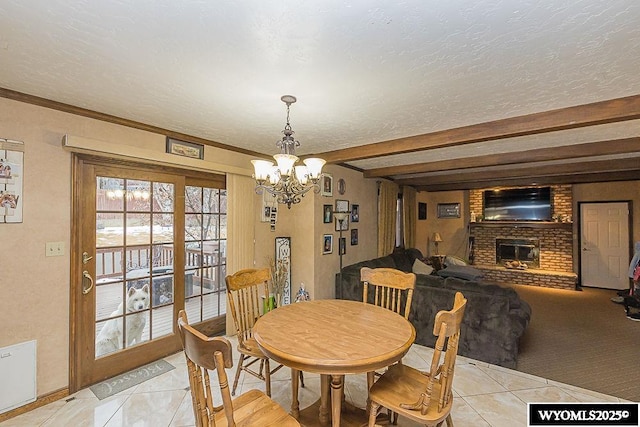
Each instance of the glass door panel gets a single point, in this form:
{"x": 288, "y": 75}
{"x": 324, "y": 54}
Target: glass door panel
{"x": 134, "y": 278}
{"x": 205, "y": 268}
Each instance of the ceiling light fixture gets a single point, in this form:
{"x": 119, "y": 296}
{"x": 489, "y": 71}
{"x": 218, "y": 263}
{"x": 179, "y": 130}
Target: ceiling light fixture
{"x": 287, "y": 182}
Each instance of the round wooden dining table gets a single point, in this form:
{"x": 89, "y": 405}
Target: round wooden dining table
{"x": 332, "y": 338}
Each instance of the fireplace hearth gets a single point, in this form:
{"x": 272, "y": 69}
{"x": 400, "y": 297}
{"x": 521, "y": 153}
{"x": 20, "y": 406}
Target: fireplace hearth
{"x": 526, "y": 251}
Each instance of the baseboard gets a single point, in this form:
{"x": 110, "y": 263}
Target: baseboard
{"x": 40, "y": 401}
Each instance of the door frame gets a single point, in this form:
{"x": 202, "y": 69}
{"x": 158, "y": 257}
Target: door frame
{"x": 578, "y": 249}
{"x": 137, "y": 355}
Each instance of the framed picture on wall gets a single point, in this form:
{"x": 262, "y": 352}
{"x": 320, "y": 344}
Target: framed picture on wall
{"x": 354, "y": 236}
{"x": 327, "y": 244}
{"x": 342, "y": 206}
{"x": 448, "y": 210}
{"x": 327, "y": 214}
{"x": 422, "y": 210}
{"x": 342, "y": 245}
{"x": 355, "y": 213}
{"x": 327, "y": 185}
{"x": 184, "y": 148}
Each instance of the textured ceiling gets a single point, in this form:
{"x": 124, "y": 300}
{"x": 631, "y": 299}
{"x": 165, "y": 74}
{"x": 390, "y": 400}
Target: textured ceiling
{"x": 363, "y": 71}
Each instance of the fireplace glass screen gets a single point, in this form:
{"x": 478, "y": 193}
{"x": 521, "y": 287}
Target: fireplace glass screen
{"x": 524, "y": 250}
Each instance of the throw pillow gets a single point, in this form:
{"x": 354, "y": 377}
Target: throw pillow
{"x": 420, "y": 267}
{"x": 450, "y": 260}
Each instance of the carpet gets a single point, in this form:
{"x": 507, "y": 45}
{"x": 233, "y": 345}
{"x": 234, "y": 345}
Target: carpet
{"x": 581, "y": 338}
{"x": 129, "y": 379}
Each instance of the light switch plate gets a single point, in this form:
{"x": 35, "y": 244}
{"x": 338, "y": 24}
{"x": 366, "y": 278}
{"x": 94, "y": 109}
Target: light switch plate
{"x": 54, "y": 249}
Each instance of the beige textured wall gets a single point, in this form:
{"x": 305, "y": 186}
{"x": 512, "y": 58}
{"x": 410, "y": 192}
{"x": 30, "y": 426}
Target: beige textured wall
{"x": 453, "y": 231}
{"x": 35, "y": 288}
{"x": 359, "y": 191}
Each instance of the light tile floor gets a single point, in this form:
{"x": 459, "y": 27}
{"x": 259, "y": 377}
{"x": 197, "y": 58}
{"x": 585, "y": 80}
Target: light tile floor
{"x": 485, "y": 395}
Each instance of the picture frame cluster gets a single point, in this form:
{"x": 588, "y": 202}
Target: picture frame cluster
{"x": 329, "y": 217}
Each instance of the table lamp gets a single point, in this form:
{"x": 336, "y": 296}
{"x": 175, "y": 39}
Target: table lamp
{"x": 436, "y": 239}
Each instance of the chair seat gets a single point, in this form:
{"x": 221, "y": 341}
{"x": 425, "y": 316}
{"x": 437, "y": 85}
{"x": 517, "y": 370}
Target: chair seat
{"x": 254, "y": 408}
{"x": 250, "y": 347}
{"x": 402, "y": 384}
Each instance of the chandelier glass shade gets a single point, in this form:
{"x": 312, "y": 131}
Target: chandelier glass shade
{"x": 285, "y": 180}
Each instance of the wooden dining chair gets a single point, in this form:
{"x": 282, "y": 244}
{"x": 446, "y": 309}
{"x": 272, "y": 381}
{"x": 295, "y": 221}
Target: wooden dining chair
{"x": 246, "y": 291}
{"x": 204, "y": 354}
{"x": 425, "y": 398}
{"x": 391, "y": 289}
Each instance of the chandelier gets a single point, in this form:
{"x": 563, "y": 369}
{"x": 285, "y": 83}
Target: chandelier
{"x": 287, "y": 182}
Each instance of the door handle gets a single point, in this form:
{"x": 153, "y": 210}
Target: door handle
{"x": 86, "y": 257}
{"x": 86, "y": 275}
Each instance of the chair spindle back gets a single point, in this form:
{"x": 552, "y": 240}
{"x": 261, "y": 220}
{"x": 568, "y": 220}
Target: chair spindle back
{"x": 245, "y": 292}
{"x": 389, "y": 285}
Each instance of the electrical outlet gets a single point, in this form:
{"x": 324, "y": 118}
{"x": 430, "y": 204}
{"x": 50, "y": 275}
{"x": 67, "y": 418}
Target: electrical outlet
{"x": 54, "y": 249}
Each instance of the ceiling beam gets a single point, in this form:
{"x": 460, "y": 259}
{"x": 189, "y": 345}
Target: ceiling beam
{"x": 597, "y": 113}
{"x": 600, "y": 148}
{"x": 531, "y": 173}
{"x": 551, "y": 180}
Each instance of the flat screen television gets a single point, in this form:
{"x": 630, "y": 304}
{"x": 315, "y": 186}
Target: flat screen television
{"x": 518, "y": 204}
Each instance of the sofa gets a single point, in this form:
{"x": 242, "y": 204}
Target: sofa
{"x": 495, "y": 317}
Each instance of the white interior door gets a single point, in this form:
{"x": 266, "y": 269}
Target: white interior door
{"x": 605, "y": 245}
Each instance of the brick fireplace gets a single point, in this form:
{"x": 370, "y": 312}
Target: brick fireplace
{"x": 547, "y": 247}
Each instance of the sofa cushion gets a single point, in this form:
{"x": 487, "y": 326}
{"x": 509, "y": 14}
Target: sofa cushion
{"x": 420, "y": 267}
{"x": 464, "y": 272}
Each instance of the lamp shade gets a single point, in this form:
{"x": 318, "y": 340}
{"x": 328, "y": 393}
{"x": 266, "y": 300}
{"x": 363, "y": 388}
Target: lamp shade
{"x": 314, "y": 165}
{"x": 302, "y": 174}
{"x": 285, "y": 163}
{"x": 341, "y": 216}
{"x": 437, "y": 237}
{"x": 262, "y": 169}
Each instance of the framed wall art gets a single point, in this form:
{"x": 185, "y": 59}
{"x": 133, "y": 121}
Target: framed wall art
{"x": 269, "y": 202}
{"x": 448, "y": 210}
{"x": 327, "y": 185}
{"x": 342, "y": 206}
{"x": 342, "y": 225}
{"x": 327, "y": 244}
{"x": 342, "y": 245}
{"x": 184, "y": 148}
{"x": 354, "y": 236}
{"x": 355, "y": 213}
{"x": 327, "y": 214}
{"x": 11, "y": 173}
{"x": 422, "y": 210}
{"x": 283, "y": 255}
